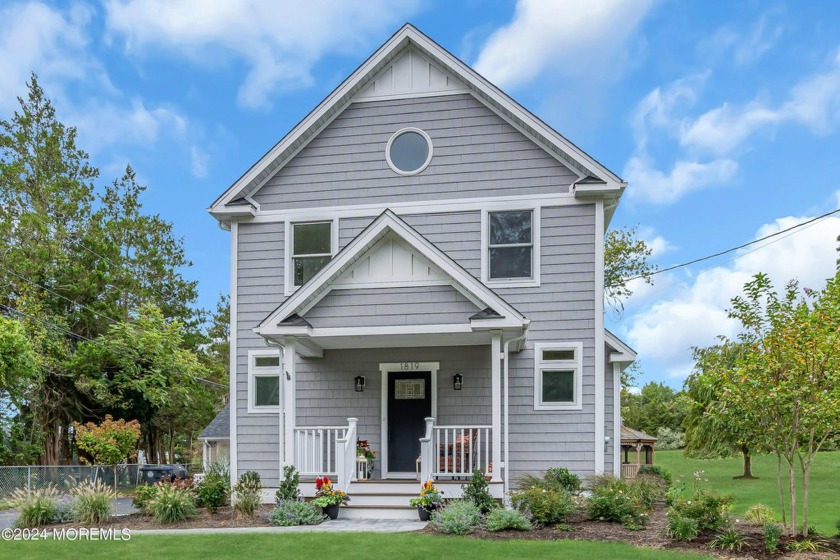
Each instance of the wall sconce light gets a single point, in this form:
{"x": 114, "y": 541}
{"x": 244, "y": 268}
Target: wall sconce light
{"x": 359, "y": 383}
{"x": 457, "y": 381}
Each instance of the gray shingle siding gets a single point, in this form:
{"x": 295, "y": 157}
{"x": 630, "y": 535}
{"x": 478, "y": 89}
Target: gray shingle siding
{"x": 476, "y": 153}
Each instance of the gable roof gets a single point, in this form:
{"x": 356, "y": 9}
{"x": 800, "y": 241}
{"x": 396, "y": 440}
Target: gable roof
{"x": 570, "y": 155}
{"x": 320, "y": 285}
{"x": 219, "y": 427}
{"x": 622, "y": 353}
{"x": 629, "y": 434}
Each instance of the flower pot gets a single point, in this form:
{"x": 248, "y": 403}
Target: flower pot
{"x": 424, "y": 513}
{"x": 331, "y": 511}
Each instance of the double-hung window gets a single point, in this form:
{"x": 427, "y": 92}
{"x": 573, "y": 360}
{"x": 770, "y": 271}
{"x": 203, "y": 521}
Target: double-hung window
{"x": 312, "y": 249}
{"x": 264, "y": 381}
{"x": 557, "y": 376}
{"x": 511, "y": 247}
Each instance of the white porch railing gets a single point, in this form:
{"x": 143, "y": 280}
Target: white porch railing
{"x": 316, "y": 449}
{"x": 454, "y": 451}
{"x": 346, "y": 455}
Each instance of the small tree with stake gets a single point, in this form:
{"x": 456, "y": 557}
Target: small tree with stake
{"x": 110, "y": 442}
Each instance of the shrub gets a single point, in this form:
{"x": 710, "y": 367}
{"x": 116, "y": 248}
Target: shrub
{"x": 288, "y": 490}
{"x": 543, "y": 505}
{"x": 730, "y": 540}
{"x": 807, "y": 544}
{"x": 501, "y": 519}
{"x": 459, "y": 517}
{"x": 212, "y": 492}
{"x": 220, "y": 468}
{"x": 249, "y": 480}
{"x": 667, "y": 438}
{"x": 612, "y": 499}
{"x": 477, "y": 491}
{"x": 555, "y": 477}
{"x": 64, "y": 510}
{"x": 290, "y": 513}
{"x": 759, "y": 514}
{"x": 248, "y": 492}
{"x": 93, "y": 502}
{"x": 171, "y": 505}
{"x": 143, "y": 495}
{"x": 648, "y": 489}
{"x": 708, "y": 508}
{"x": 772, "y": 536}
{"x": 37, "y": 508}
{"x": 656, "y": 470}
{"x": 682, "y": 528}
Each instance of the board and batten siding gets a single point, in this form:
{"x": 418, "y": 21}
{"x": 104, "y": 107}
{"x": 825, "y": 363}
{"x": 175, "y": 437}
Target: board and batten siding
{"x": 260, "y": 290}
{"x": 326, "y": 395}
{"x": 476, "y": 153}
{"x": 388, "y": 307}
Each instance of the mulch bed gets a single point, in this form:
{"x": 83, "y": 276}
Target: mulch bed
{"x": 223, "y": 518}
{"x": 579, "y": 527}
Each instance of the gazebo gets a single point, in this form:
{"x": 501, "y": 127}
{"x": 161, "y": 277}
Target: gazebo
{"x": 636, "y": 450}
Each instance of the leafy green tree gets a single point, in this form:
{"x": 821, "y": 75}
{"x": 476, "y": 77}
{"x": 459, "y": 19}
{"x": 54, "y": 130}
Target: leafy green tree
{"x": 18, "y": 362}
{"x": 625, "y": 256}
{"x": 708, "y": 433}
{"x": 656, "y": 406}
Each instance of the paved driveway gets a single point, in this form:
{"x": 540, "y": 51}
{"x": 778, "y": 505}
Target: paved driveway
{"x": 7, "y": 517}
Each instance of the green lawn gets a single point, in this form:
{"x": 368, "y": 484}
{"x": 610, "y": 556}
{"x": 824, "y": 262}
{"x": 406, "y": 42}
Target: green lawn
{"x": 823, "y": 511}
{"x": 331, "y": 545}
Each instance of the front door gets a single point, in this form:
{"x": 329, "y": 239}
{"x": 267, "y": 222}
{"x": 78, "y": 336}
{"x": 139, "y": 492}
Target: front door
{"x": 409, "y": 403}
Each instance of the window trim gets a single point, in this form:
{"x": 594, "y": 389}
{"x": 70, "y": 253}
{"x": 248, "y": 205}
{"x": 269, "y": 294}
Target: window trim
{"x": 289, "y": 272}
{"x": 541, "y": 365}
{"x": 254, "y": 372}
{"x": 426, "y": 163}
{"x": 534, "y": 281}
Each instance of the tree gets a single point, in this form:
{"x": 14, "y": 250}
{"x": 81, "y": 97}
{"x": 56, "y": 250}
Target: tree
{"x": 110, "y": 442}
{"x": 708, "y": 433}
{"x": 787, "y": 382}
{"x": 656, "y": 406}
{"x": 625, "y": 257}
{"x": 18, "y": 362}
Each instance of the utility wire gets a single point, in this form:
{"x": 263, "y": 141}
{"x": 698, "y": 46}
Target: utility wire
{"x": 719, "y": 253}
{"x": 36, "y": 284}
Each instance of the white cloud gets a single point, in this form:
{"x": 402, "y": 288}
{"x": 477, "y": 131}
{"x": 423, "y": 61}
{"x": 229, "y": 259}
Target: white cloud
{"x": 710, "y": 143}
{"x": 694, "y": 313}
{"x": 745, "y": 46}
{"x": 280, "y": 41}
{"x": 574, "y": 38}
{"x": 198, "y": 162}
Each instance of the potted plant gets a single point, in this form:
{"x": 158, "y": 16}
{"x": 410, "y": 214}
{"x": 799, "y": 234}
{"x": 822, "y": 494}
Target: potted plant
{"x": 328, "y": 498}
{"x": 429, "y": 500}
{"x": 363, "y": 450}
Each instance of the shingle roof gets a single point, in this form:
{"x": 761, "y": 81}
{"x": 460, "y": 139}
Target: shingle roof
{"x": 219, "y": 427}
{"x": 635, "y": 435}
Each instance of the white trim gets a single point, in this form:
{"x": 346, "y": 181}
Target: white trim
{"x": 532, "y": 282}
{"x": 616, "y": 437}
{"x": 600, "y": 343}
{"x": 263, "y": 371}
{"x": 289, "y": 414}
{"x": 233, "y": 395}
{"x": 385, "y": 369}
{"x": 409, "y": 95}
{"x": 288, "y": 236}
{"x": 441, "y": 206}
{"x": 425, "y": 164}
{"x": 575, "y": 365}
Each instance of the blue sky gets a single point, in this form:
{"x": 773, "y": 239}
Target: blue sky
{"x": 723, "y": 116}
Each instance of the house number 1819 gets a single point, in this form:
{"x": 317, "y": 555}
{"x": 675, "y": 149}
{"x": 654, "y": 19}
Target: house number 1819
{"x": 410, "y": 366}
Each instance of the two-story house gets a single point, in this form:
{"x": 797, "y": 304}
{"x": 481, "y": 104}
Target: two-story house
{"x": 419, "y": 264}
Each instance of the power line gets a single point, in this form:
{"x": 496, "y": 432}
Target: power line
{"x": 83, "y": 306}
{"x": 719, "y": 253}
{"x": 49, "y": 324}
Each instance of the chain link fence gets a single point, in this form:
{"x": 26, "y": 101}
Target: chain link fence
{"x": 65, "y": 477}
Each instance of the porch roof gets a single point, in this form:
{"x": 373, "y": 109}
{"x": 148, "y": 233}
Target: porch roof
{"x": 390, "y": 234}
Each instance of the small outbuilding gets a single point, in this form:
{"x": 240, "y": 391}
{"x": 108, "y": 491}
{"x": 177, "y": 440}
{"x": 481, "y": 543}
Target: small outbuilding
{"x": 216, "y": 438}
{"x": 636, "y": 450}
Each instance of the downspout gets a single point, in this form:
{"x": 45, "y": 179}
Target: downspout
{"x": 506, "y": 399}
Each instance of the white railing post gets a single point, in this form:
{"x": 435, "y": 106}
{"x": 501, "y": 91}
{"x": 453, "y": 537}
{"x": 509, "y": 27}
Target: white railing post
{"x": 427, "y": 455}
{"x": 345, "y": 455}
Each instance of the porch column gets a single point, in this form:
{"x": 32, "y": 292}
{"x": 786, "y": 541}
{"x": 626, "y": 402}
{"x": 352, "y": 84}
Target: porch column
{"x": 288, "y": 379}
{"x": 496, "y": 400}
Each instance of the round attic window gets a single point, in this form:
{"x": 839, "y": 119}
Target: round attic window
{"x": 409, "y": 151}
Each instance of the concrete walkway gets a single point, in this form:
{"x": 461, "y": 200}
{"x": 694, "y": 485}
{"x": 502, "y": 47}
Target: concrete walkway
{"x": 333, "y": 526}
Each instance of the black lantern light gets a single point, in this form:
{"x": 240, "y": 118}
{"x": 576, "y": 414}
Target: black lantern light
{"x": 359, "y": 383}
{"x": 457, "y": 381}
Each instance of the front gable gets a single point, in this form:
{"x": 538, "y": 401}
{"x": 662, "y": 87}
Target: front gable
{"x": 391, "y": 262}
{"x": 411, "y": 73}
